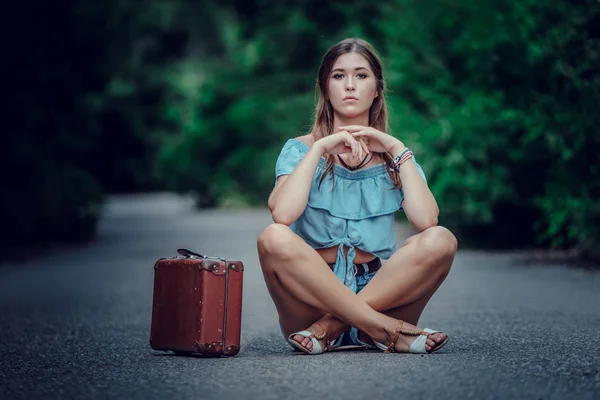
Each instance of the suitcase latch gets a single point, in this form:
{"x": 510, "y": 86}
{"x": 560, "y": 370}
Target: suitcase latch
{"x": 209, "y": 267}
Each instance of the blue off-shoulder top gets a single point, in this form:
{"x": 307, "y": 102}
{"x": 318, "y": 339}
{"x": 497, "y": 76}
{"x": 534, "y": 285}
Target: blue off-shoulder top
{"x": 352, "y": 208}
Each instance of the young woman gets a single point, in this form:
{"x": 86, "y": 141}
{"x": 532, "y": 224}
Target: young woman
{"x": 333, "y": 206}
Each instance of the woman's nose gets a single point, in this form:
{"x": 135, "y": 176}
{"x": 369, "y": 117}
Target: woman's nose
{"x": 349, "y": 84}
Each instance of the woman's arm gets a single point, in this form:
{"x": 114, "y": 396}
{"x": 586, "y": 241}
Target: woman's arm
{"x": 419, "y": 204}
{"x": 290, "y": 195}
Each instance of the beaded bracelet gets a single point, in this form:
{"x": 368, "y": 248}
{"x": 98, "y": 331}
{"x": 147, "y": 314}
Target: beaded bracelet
{"x": 405, "y": 157}
{"x": 400, "y": 159}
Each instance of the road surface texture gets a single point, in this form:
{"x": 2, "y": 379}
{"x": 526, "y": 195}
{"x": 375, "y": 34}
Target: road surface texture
{"x": 75, "y": 324}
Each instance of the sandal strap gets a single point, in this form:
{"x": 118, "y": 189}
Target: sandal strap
{"x": 321, "y": 335}
{"x": 392, "y": 345}
{"x": 325, "y": 335}
{"x": 329, "y": 345}
{"x": 400, "y": 329}
{"x": 412, "y": 332}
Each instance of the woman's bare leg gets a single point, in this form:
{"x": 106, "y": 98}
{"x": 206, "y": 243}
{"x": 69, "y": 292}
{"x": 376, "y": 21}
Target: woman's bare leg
{"x": 306, "y": 276}
{"x": 302, "y": 285}
{"x": 408, "y": 280}
{"x": 294, "y": 314}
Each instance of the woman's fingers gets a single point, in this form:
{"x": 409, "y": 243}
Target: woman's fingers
{"x": 361, "y": 133}
{"x": 357, "y": 145}
{"x": 364, "y": 136}
{"x": 361, "y": 150}
{"x": 364, "y": 146}
{"x": 350, "y": 141}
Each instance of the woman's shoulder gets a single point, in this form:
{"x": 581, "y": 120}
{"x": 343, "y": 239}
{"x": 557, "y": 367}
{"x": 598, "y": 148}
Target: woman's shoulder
{"x": 302, "y": 143}
{"x": 306, "y": 139}
{"x": 298, "y": 145}
{"x": 292, "y": 152}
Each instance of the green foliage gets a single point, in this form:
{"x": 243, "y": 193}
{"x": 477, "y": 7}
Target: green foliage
{"x": 505, "y": 94}
{"x": 497, "y": 99}
{"x": 229, "y": 114}
{"x": 77, "y": 120}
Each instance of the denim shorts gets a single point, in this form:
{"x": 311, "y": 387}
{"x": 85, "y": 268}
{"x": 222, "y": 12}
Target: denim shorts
{"x": 361, "y": 281}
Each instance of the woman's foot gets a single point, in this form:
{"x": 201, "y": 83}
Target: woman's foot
{"x": 326, "y": 329}
{"x": 402, "y": 335}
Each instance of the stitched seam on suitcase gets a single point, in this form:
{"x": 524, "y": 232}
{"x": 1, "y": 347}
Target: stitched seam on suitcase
{"x": 225, "y": 305}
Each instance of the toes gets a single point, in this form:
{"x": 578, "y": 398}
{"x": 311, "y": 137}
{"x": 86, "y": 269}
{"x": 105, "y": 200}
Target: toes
{"x": 307, "y": 343}
{"x": 437, "y": 338}
{"x": 304, "y": 341}
{"x": 434, "y": 340}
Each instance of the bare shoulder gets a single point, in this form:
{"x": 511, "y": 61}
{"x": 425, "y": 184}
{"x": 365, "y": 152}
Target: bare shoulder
{"x": 306, "y": 139}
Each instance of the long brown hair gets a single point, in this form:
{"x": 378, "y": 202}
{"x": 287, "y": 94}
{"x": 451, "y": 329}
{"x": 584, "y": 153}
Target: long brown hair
{"x": 323, "y": 124}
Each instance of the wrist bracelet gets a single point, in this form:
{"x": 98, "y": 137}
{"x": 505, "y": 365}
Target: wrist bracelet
{"x": 403, "y": 152}
{"x": 405, "y": 157}
{"x": 399, "y": 159}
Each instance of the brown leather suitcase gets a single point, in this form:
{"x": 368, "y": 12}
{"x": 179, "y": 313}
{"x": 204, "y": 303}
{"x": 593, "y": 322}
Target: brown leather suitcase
{"x": 197, "y": 305}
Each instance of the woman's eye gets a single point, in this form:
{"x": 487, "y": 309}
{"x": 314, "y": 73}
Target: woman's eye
{"x": 362, "y": 76}
{"x": 338, "y": 76}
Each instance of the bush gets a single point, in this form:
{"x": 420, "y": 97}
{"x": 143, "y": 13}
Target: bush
{"x": 500, "y": 99}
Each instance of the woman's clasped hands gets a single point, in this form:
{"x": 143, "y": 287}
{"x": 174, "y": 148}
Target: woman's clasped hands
{"x": 358, "y": 140}
{"x": 373, "y": 139}
{"x": 340, "y": 143}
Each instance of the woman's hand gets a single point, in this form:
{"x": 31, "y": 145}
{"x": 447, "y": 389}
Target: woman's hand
{"x": 375, "y": 140}
{"x": 340, "y": 143}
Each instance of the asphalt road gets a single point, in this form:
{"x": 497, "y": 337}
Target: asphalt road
{"x": 76, "y": 323}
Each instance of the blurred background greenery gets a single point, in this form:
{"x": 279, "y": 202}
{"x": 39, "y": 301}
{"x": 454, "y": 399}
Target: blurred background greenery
{"x": 498, "y": 99}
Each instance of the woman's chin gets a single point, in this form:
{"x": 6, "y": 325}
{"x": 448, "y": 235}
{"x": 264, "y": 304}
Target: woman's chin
{"x": 351, "y": 112}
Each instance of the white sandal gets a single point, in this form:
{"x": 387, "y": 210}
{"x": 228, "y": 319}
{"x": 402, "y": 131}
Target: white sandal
{"x": 316, "y": 348}
{"x": 418, "y": 345}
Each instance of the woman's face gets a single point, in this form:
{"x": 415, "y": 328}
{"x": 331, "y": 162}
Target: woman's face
{"x": 352, "y": 86}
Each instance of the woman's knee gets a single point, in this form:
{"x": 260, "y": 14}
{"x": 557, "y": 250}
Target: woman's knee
{"x": 274, "y": 239}
{"x": 438, "y": 243}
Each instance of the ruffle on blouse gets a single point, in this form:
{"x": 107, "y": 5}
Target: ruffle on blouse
{"x": 356, "y": 195}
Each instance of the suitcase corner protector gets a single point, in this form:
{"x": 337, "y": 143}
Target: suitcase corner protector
{"x": 209, "y": 348}
{"x": 231, "y": 350}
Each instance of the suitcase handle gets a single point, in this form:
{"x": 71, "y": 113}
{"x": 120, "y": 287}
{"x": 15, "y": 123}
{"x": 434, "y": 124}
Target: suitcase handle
{"x": 189, "y": 253}
{"x": 192, "y": 254}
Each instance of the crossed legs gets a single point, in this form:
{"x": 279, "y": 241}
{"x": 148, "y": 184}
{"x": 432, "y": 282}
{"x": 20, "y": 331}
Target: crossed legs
{"x": 305, "y": 290}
